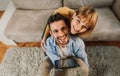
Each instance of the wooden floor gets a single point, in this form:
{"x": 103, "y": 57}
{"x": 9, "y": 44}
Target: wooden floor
{"x": 103, "y": 43}
{"x": 1, "y": 13}
{"x": 3, "y": 49}
{"x": 2, "y": 46}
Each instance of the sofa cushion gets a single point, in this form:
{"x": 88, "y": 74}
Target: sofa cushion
{"x": 107, "y": 28}
{"x": 94, "y": 3}
{"x": 116, "y": 8}
{"x": 27, "y": 25}
{"x": 37, "y": 4}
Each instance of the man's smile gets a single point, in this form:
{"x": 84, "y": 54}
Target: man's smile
{"x": 63, "y": 38}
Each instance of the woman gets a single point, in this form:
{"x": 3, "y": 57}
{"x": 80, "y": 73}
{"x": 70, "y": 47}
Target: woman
{"x": 82, "y": 21}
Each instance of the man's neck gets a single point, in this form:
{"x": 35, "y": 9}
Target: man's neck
{"x": 61, "y": 45}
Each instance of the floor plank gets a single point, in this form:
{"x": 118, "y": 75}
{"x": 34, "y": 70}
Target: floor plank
{"x": 3, "y": 49}
{"x": 1, "y": 13}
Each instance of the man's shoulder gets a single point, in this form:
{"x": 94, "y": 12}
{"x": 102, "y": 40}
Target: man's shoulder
{"x": 76, "y": 40}
{"x": 50, "y": 40}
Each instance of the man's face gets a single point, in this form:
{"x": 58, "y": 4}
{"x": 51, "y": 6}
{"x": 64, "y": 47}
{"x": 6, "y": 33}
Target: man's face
{"x": 59, "y": 30}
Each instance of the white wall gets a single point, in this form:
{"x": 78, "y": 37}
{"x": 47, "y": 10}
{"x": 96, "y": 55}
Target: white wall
{"x": 4, "y": 4}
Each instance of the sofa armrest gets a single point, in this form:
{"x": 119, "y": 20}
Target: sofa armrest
{"x": 116, "y": 8}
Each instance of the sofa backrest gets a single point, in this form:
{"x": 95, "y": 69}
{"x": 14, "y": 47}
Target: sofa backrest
{"x": 93, "y": 3}
{"x": 116, "y": 8}
{"x": 53, "y": 4}
{"x": 37, "y": 4}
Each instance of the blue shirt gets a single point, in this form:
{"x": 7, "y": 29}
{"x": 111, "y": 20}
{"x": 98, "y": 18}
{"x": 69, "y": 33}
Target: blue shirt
{"x": 75, "y": 46}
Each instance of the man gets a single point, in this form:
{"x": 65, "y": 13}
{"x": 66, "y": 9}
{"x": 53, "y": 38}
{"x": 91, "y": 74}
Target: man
{"x": 63, "y": 50}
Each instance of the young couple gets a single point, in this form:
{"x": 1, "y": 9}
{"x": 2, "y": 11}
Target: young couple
{"x": 62, "y": 48}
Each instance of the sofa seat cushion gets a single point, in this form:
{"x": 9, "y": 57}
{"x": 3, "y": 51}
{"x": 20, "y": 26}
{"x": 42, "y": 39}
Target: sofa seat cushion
{"x": 94, "y": 3}
{"x": 27, "y": 25}
{"x": 107, "y": 27}
{"x": 37, "y": 4}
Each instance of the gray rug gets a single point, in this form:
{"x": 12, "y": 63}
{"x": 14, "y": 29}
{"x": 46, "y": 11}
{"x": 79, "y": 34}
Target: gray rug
{"x": 25, "y": 61}
{"x": 104, "y": 60}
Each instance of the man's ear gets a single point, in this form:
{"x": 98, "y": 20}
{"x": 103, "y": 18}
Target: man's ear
{"x": 51, "y": 33}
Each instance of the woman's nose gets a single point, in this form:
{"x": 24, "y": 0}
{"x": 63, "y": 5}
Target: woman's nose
{"x": 77, "y": 26}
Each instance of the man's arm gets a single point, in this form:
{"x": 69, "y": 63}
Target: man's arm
{"x": 80, "y": 53}
{"x": 52, "y": 53}
{"x": 60, "y": 63}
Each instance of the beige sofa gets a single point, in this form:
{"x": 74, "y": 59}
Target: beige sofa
{"x": 29, "y": 19}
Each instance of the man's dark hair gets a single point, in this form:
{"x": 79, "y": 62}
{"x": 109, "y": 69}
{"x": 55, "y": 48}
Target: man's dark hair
{"x": 57, "y": 17}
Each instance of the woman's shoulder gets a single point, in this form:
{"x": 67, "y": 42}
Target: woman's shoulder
{"x": 65, "y": 11}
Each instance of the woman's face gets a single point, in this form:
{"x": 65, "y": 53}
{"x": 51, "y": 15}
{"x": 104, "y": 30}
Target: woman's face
{"x": 78, "y": 25}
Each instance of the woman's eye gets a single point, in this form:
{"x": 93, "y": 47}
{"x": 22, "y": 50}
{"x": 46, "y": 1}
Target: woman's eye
{"x": 78, "y": 21}
{"x": 85, "y": 27}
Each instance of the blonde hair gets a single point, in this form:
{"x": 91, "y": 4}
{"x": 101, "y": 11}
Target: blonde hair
{"x": 90, "y": 17}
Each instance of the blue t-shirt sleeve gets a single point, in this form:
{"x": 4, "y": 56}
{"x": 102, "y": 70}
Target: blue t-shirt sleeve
{"x": 80, "y": 51}
{"x": 50, "y": 51}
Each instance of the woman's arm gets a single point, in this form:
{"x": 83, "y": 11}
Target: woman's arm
{"x": 65, "y": 11}
{"x": 46, "y": 34}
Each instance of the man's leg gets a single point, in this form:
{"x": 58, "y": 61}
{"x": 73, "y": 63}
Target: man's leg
{"x": 45, "y": 67}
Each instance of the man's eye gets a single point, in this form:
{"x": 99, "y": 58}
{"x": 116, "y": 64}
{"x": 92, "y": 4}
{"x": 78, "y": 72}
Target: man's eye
{"x": 55, "y": 31}
{"x": 64, "y": 28}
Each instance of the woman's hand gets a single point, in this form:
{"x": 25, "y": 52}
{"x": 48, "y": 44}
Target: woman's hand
{"x": 43, "y": 45}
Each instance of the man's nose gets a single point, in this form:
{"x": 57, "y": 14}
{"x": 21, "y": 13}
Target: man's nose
{"x": 61, "y": 33}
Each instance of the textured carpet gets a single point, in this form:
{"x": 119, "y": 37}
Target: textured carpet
{"x": 104, "y": 60}
{"x": 25, "y": 61}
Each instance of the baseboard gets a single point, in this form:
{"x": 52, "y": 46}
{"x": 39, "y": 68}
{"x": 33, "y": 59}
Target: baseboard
{"x": 104, "y": 43}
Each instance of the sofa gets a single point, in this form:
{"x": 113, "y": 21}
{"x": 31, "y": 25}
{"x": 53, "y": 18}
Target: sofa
{"x": 29, "y": 19}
